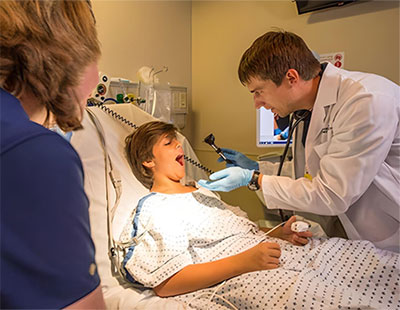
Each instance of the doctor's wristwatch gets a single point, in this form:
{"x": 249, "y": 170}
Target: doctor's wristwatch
{"x": 253, "y": 184}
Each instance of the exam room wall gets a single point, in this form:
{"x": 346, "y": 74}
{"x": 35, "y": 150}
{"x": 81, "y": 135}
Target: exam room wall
{"x": 368, "y": 33}
{"x": 146, "y": 33}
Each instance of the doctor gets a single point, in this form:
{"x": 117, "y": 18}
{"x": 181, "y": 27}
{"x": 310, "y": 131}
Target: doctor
{"x": 347, "y": 157}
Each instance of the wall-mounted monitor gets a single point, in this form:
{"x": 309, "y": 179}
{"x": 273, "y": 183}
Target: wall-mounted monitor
{"x": 306, "y": 6}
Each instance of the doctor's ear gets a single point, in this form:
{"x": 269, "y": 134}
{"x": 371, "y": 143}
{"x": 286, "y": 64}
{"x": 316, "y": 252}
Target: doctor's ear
{"x": 292, "y": 76}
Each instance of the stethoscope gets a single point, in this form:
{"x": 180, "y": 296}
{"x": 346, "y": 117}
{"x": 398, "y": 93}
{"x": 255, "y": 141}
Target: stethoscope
{"x": 297, "y": 117}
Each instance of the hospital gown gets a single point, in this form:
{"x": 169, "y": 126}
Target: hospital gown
{"x": 175, "y": 230}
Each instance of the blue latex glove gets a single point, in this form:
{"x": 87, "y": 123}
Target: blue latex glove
{"x": 238, "y": 160}
{"x": 227, "y": 179}
{"x": 285, "y": 134}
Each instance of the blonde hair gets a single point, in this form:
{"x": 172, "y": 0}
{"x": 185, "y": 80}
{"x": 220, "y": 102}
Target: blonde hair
{"x": 45, "y": 48}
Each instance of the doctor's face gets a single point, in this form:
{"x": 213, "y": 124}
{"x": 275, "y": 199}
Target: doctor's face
{"x": 275, "y": 98}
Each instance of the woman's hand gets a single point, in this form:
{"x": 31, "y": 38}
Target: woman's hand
{"x": 286, "y": 233}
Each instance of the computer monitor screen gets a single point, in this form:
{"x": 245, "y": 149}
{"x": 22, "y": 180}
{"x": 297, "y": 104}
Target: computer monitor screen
{"x": 271, "y": 131}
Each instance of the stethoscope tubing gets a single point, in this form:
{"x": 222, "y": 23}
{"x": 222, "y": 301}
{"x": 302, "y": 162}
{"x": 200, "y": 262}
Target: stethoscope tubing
{"x": 292, "y": 127}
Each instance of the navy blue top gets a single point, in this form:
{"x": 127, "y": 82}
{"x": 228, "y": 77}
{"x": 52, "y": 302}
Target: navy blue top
{"x": 47, "y": 254}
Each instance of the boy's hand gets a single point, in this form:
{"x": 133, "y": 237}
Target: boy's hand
{"x": 262, "y": 256}
{"x": 297, "y": 238}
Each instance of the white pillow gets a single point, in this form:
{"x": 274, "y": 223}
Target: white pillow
{"x": 87, "y": 143}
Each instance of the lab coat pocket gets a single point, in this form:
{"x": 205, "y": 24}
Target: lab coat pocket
{"x": 321, "y": 149}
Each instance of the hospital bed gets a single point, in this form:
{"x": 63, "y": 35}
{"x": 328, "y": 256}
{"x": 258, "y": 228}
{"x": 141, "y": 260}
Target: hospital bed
{"x": 120, "y": 294}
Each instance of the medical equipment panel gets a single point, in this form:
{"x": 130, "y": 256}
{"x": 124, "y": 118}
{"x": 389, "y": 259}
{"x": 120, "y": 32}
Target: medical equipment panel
{"x": 102, "y": 89}
{"x": 179, "y": 106}
{"x": 163, "y": 101}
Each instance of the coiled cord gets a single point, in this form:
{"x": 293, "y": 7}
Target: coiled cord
{"x": 114, "y": 114}
{"x": 122, "y": 119}
{"x": 198, "y": 165}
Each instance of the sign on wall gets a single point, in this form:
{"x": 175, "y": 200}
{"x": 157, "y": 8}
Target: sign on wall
{"x": 336, "y": 59}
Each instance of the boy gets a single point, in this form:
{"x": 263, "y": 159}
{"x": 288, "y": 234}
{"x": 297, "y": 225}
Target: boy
{"x": 156, "y": 158}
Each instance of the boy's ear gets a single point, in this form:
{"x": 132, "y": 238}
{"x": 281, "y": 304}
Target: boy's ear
{"x": 148, "y": 164}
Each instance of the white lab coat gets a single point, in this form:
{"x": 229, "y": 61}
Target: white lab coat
{"x": 352, "y": 153}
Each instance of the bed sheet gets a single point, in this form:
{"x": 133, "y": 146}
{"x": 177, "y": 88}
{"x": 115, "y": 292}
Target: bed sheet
{"x": 326, "y": 274}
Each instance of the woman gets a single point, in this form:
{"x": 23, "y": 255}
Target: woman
{"x": 49, "y": 54}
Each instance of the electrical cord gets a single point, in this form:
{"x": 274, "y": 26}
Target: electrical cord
{"x": 272, "y": 229}
{"x": 214, "y": 294}
{"x": 198, "y": 165}
{"x": 112, "y": 113}
{"x": 122, "y": 119}
{"x": 217, "y": 288}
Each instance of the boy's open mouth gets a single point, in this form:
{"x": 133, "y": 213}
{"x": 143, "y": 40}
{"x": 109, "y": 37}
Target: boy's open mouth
{"x": 180, "y": 159}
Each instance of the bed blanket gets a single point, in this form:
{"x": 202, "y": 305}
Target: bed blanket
{"x": 173, "y": 231}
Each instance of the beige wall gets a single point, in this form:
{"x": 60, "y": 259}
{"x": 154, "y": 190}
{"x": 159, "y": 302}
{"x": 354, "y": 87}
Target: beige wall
{"x": 367, "y": 32}
{"x": 146, "y": 33}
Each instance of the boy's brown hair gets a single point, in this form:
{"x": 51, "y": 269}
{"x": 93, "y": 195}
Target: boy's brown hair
{"x": 45, "y": 48}
{"x": 273, "y": 54}
{"x": 139, "y": 148}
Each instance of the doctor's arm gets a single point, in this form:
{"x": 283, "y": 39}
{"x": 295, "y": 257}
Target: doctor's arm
{"x": 198, "y": 276}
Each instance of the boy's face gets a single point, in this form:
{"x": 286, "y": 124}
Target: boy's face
{"x": 168, "y": 161}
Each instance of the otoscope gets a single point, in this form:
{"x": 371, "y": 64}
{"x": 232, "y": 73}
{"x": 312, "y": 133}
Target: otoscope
{"x": 210, "y": 140}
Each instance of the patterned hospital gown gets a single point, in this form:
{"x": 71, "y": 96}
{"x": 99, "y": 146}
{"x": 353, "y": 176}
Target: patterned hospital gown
{"x": 175, "y": 230}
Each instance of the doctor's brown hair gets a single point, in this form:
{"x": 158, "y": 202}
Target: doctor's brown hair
{"x": 45, "y": 49}
{"x": 273, "y": 54}
{"x": 139, "y": 148}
